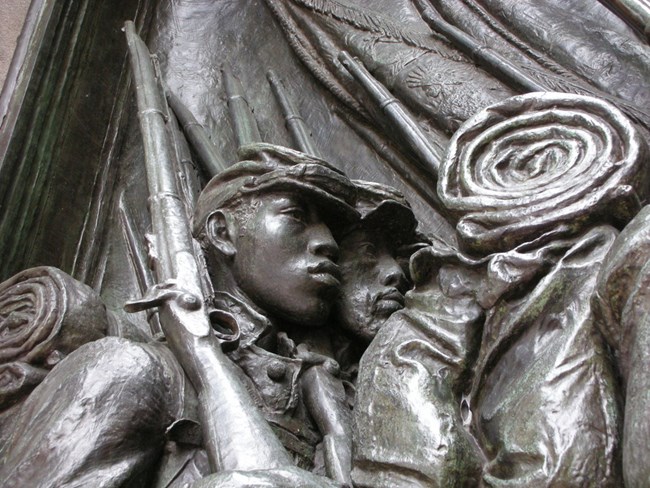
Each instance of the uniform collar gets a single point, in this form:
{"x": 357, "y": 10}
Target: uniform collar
{"x": 255, "y": 327}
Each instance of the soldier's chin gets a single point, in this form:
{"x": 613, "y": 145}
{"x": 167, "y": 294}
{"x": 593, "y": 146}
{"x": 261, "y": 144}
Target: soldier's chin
{"x": 361, "y": 326}
{"x": 313, "y": 315}
{"x": 373, "y": 323}
{"x": 367, "y": 331}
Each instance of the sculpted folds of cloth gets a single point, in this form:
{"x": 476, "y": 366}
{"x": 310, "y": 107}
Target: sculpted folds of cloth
{"x": 444, "y": 284}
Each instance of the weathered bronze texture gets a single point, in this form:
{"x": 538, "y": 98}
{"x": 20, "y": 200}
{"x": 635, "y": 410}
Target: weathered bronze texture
{"x": 387, "y": 243}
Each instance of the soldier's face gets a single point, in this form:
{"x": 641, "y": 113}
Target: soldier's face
{"x": 284, "y": 260}
{"x": 373, "y": 283}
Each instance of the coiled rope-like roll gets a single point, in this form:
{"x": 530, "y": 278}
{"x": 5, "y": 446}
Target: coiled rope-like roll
{"x": 42, "y": 311}
{"x": 541, "y": 164}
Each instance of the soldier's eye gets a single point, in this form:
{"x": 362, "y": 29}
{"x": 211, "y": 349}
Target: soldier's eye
{"x": 295, "y": 212}
{"x": 368, "y": 249}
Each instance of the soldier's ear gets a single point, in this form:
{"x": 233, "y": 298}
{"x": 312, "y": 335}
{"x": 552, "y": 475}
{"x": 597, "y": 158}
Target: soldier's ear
{"x": 219, "y": 233}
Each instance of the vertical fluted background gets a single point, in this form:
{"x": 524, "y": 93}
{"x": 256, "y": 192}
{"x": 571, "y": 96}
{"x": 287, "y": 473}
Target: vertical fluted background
{"x": 13, "y": 16}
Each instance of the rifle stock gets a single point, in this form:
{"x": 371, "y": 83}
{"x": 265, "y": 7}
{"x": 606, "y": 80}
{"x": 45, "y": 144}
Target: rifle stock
{"x": 236, "y": 435}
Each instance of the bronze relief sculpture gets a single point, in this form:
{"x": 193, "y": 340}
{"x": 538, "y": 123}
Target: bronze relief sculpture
{"x": 291, "y": 323}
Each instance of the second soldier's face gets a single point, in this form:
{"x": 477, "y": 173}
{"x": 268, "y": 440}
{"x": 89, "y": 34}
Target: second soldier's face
{"x": 372, "y": 285}
{"x": 284, "y": 260}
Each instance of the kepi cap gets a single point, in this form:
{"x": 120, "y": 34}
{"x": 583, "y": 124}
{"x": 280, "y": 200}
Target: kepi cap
{"x": 385, "y": 209}
{"x": 269, "y": 168}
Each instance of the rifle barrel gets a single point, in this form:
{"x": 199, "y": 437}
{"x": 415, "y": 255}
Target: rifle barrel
{"x": 493, "y": 61}
{"x": 208, "y": 155}
{"x": 408, "y": 127}
{"x": 138, "y": 258}
{"x": 243, "y": 121}
{"x": 295, "y": 123}
{"x": 419, "y": 180}
{"x": 635, "y": 12}
{"x": 236, "y": 435}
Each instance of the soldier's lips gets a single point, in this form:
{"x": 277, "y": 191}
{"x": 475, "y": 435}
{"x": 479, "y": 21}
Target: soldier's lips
{"x": 327, "y": 273}
{"x": 389, "y": 301}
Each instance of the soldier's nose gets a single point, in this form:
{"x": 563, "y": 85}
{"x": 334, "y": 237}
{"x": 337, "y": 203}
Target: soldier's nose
{"x": 322, "y": 243}
{"x": 391, "y": 273}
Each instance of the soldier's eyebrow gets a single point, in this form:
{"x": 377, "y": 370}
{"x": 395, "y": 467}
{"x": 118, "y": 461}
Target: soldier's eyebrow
{"x": 288, "y": 199}
{"x": 356, "y": 237}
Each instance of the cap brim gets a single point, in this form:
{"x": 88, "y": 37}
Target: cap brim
{"x": 393, "y": 220}
{"x": 335, "y": 211}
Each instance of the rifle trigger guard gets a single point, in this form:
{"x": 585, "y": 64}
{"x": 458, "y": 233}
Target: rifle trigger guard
{"x": 160, "y": 293}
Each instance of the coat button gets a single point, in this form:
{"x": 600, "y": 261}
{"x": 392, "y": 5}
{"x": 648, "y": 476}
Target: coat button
{"x": 277, "y": 370}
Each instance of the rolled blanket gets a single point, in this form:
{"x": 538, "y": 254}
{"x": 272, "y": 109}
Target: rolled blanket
{"x": 46, "y": 314}
{"x": 16, "y": 380}
{"x": 541, "y": 163}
